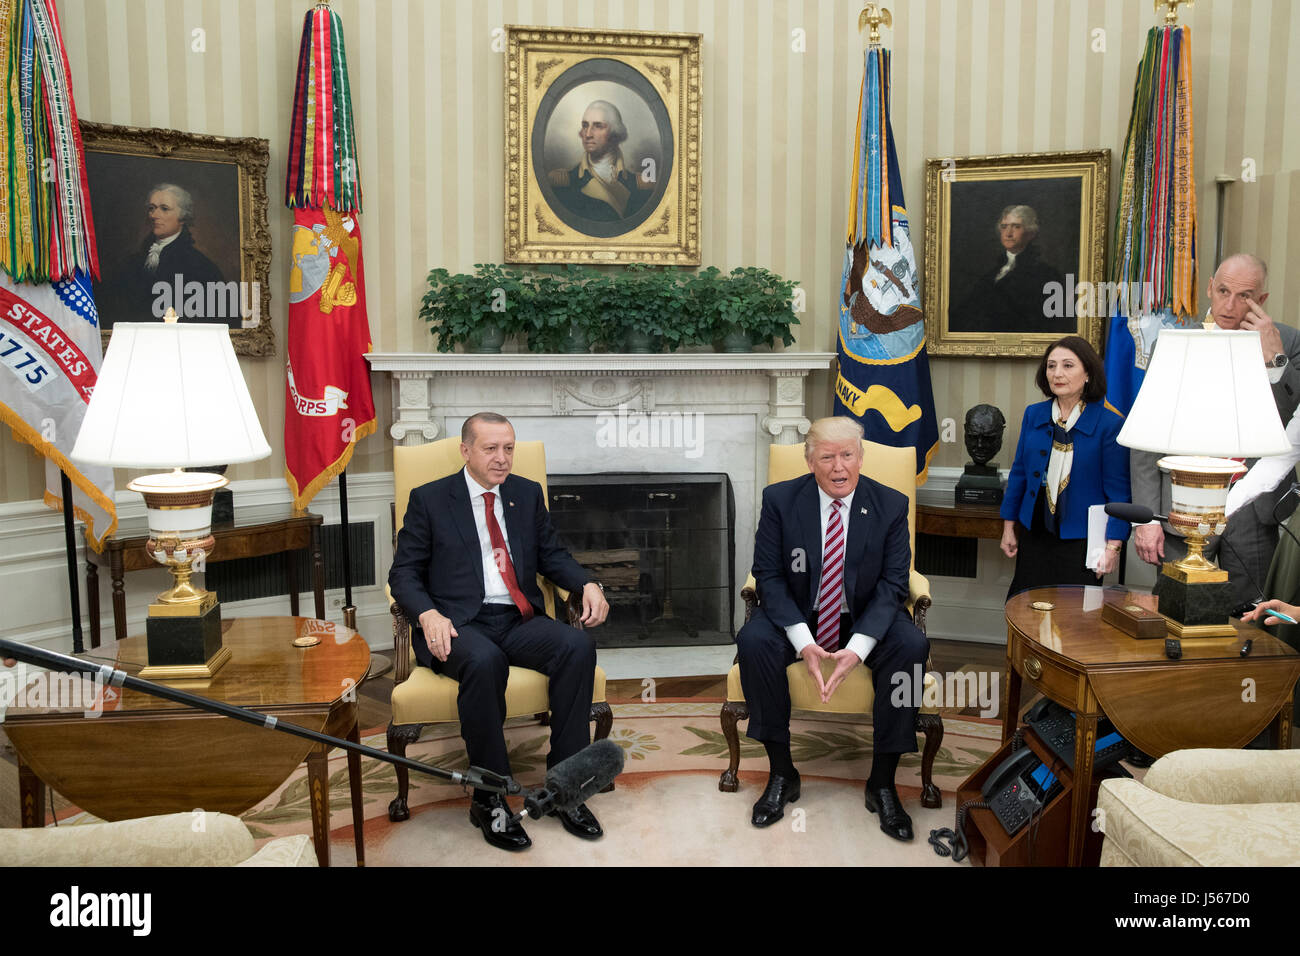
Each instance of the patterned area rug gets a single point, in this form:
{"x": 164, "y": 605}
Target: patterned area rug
{"x": 666, "y": 810}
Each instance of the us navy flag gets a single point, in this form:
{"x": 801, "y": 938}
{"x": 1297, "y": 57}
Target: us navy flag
{"x": 884, "y": 378}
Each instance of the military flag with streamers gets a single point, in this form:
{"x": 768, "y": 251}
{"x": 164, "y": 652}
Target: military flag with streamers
{"x": 1154, "y": 241}
{"x": 884, "y": 377}
{"x": 328, "y": 402}
{"x": 49, "y": 329}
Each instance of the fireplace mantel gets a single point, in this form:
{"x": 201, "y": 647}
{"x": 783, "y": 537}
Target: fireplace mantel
{"x": 423, "y": 399}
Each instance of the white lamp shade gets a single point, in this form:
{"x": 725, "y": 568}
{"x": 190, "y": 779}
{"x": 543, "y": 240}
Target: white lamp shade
{"x": 170, "y": 395}
{"x": 1206, "y": 393}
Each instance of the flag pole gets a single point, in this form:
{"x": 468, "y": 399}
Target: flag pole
{"x": 70, "y": 543}
{"x": 349, "y": 609}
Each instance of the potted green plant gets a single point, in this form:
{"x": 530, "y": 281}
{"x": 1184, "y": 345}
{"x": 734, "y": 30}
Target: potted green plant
{"x": 756, "y": 307}
{"x": 454, "y": 307}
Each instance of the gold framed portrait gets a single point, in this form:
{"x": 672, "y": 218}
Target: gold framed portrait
{"x": 1015, "y": 251}
{"x": 602, "y": 146}
{"x": 181, "y": 222}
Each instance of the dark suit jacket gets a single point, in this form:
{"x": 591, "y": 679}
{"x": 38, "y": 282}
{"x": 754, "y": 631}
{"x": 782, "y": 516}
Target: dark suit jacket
{"x": 1151, "y": 487}
{"x": 1098, "y": 474}
{"x": 438, "y": 563}
{"x": 877, "y": 559}
{"x": 1016, "y": 303}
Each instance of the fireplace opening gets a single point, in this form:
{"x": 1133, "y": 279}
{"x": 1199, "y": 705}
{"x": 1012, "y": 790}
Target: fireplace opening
{"x": 663, "y": 547}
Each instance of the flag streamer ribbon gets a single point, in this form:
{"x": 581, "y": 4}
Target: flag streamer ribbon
{"x": 322, "y": 168}
{"x": 1154, "y": 240}
{"x": 46, "y": 230}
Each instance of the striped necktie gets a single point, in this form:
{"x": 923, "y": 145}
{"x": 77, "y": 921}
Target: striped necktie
{"x": 831, "y": 595}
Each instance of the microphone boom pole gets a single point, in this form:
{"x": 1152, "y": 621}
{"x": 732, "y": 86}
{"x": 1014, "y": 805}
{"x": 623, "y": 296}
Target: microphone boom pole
{"x": 473, "y": 777}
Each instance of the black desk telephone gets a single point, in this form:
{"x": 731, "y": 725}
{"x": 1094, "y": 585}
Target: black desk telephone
{"x": 1019, "y": 788}
{"x": 1054, "y": 726}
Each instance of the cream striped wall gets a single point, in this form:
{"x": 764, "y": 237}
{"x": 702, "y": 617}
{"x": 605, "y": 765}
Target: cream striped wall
{"x": 971, "y": 77}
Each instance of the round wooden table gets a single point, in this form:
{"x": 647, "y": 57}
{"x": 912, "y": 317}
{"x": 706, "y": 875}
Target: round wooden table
{"x": 142, "y": 755}
{"x": 1210, "y": 697}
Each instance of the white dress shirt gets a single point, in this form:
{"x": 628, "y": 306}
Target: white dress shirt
{"x": 155, "y": 250}
{"x": 494, "y": 585}
{"x": 1265, "y": 474}
{"x": 800, "y": 635}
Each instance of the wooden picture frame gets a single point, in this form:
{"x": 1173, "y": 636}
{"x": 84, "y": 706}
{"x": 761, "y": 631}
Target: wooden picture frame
{"x": 217, "y": 267}
{"x": 640, "y": 201}
{"x": 974, "y": 304}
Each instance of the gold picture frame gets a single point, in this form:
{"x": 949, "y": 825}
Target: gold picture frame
{"x": 646, "y": 208}
{"x": 982, "y": 302}
{"x": 225, "y": 243}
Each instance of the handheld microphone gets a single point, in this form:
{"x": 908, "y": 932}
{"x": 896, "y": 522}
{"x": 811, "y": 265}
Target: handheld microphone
{"x": 571, "y": 781}
{"x": 1135, "y": 514}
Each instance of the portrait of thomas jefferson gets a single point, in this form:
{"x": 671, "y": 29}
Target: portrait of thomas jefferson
{"x": 603, "y": 186}
{"x": 1011, "y": 294}
{"x": 168, "y": 255}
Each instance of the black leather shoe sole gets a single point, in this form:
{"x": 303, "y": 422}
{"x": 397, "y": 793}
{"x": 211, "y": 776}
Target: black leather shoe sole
{"x": 900, "y": 830}
{"x": 514, "y": 841}
{"x": 767, "y": 813}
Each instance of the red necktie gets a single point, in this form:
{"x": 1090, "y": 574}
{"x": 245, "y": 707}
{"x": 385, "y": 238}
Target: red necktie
{"x": 502, "y": 556}
{"x": 831, "y": 595}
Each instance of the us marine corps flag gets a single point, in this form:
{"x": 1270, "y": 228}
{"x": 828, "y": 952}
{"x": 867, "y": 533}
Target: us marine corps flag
{"x": 49, "y": 329}
{"x": 1154, "y": 252}
{"x": 884, "y": 378}
{"x": 328, "y": 404}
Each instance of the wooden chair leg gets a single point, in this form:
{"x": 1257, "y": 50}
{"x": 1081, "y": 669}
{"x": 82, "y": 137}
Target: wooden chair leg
{"x": 932, "y": 726}
{"x": 604, "y": 719}
{"x": 732, "y": 711}
{"x": 399, "y": 736}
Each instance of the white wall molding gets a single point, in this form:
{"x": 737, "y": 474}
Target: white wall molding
{"x": 33, "y": 565}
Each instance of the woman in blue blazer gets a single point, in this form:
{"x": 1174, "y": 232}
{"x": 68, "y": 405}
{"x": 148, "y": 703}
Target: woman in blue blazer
{"x": 1067, "y": 460}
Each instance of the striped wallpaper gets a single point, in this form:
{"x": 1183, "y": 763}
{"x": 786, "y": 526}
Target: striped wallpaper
{"x": 780, "y": 79}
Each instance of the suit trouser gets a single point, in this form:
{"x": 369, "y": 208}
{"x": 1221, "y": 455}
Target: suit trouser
{"x": 480, "y": 660}
{"x": 765, "y": 653}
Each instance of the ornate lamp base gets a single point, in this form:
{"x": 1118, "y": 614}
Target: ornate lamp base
{"x": 1194, "y": 592}
{"x": 184, "y": 624}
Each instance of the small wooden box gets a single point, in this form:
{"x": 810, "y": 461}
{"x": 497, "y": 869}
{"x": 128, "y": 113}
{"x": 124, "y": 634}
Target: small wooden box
{"x": 1134, "y": 620}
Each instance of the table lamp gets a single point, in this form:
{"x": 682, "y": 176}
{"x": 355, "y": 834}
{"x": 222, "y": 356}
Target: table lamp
{"x": 1205, "y": 401}
{"x": 171, "y": 395}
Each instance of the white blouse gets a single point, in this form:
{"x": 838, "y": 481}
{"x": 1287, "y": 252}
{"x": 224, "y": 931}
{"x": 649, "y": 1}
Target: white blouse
{"x": 1265, "y": 474}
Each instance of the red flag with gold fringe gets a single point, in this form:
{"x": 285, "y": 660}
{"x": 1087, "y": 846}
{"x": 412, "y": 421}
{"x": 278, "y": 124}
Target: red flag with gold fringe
{"x": 328, "y": 401}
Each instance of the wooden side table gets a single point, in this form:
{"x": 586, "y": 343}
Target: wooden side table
{"x": 287, "y": 533}
{"x": 960, "y": 521}
{"x": 1211, "y": 697}
{"x": 142, "y": 755}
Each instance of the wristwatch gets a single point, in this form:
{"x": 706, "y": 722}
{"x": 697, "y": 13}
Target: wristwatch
{"x": 1279, "y": 360}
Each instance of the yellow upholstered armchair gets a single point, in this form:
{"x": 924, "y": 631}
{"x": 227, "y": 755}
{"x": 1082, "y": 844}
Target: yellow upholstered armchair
{"x": 422, "y": 697}
{"x": 895, "y": 467}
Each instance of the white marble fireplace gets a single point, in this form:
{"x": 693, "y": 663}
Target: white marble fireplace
{"x": 662, "y": 413}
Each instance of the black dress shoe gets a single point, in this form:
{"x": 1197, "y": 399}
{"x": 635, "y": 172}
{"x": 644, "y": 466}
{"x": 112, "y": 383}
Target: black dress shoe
{"x": 894, "y": 821}
{"x": 496, "y": 821}
{"x": 771, "y": 805}
{"x": 579, "y": 821}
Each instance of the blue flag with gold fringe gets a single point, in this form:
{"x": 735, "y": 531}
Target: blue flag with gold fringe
{"x": 884, "y": 377}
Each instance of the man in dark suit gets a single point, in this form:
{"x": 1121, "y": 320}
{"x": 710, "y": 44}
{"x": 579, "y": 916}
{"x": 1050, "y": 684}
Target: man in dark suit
{"x": 832, "y": 561}
{"x": 1238, "y": 290}
{"x": 468, "y": 554}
